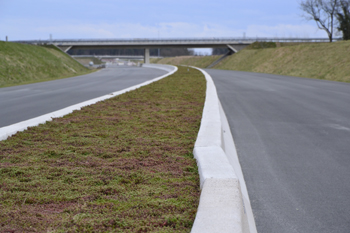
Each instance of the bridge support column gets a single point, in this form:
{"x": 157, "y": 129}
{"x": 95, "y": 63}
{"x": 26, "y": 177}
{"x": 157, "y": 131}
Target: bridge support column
{"x": 146, "y": 56}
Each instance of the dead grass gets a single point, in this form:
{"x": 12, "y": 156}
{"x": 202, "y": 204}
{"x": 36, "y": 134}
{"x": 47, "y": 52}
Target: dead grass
{"x": 122, "y": 165}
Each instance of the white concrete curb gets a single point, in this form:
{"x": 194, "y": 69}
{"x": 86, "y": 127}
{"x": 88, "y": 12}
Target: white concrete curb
{"x": 7, "y": 131}
{"x": 224, "y": 204}
{"x": 168, "y": 68}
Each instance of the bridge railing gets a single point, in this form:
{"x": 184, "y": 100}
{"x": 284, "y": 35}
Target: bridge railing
{"x": 179, "y": 40}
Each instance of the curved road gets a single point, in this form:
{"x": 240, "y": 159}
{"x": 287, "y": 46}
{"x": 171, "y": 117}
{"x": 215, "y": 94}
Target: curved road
{"x": 293, "y": 141}
{"x": 24, "y": 102}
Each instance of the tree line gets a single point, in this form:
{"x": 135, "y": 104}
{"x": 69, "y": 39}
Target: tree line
{"x": 329, "y": 15}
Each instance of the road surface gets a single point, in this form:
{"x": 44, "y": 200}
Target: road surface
{"x": 293, "y": 141}
{"x": 24, "y": 102}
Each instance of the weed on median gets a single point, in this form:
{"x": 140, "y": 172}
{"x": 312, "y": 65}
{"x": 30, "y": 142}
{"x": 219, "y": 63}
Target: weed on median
{"x": 121, "y": 165}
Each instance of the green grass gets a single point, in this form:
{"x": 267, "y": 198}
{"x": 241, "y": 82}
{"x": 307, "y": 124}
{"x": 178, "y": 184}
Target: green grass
{"x": 24, "y": 64}
{"x": 328, "y": 61}
{"x": 121, "y": 165}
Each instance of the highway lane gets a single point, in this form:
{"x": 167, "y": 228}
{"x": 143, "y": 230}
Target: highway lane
{"x": 24, "y": 102}
{"x": 293, "y": 141}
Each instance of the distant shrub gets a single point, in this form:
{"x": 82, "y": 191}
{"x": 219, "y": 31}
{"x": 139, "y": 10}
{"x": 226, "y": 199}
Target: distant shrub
{"x": 262, "y": 45}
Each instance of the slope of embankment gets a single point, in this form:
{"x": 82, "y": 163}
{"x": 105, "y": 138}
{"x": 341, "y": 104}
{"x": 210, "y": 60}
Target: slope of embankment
{"x": 328, "y": 61}
{"x": 23, "y": 64}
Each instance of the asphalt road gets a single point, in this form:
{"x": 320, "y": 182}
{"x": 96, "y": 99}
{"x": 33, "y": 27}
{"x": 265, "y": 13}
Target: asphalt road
{"x": 24, "y": 102}
{"x": 293, "y": 140}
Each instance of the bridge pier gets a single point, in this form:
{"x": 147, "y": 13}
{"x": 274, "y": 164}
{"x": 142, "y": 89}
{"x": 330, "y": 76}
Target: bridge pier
{"x": 147, "y": 56}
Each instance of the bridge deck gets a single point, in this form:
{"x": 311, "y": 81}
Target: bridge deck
{"x": 169, "y": 42}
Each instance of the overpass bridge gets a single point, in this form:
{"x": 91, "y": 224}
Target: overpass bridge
{"x": 233, "y": 44}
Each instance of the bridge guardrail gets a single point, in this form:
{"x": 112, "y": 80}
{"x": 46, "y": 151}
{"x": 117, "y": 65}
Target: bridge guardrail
{"x": 178, "y": 40}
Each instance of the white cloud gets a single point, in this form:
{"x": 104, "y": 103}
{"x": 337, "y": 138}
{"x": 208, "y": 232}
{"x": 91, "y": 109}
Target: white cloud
{"x": 178, "y": 29}
{"x": 75, "y": 30}
{"x": 128, "y": 30}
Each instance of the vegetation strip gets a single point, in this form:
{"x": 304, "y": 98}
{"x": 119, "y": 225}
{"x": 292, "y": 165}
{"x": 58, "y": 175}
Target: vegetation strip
{"x": 122, "y": 165}
{"x": 327, "y": 61}
{"x": 23, "y": 64}
{"x": 197, "y": 61}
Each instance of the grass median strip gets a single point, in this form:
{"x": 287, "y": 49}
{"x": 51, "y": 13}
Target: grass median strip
{"x": 121, "y": 165}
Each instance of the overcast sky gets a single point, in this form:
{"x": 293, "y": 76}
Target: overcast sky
{"x": 75, "y": 19}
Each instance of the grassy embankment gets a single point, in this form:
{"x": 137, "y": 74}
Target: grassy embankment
{"x": 328, "y": 61}
{"x": 121, "y": 165}
{"x": 24, "y": 64}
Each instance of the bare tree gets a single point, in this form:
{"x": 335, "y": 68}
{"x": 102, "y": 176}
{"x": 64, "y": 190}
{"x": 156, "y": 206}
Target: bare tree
{"x": 323, "y": 12}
